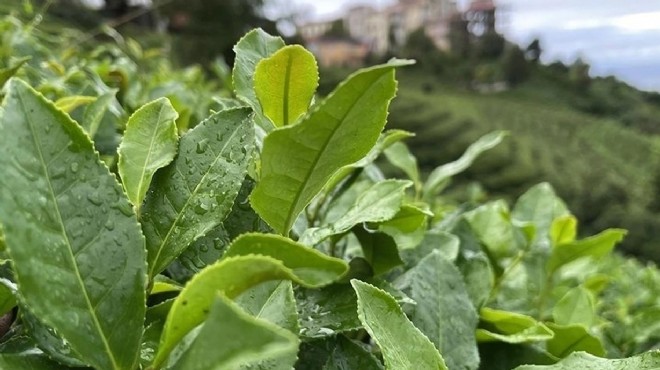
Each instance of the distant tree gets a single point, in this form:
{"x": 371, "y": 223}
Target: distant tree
{"x": 533, "y": 51}
{"x": 337, "y": 29}
{"x": 579, "y": 75}
{"x": 459, "y": 37}
{"x": 490, "y": 45}
{"x": 420, "y": 47}
{"x": 514, "y": 66}
{"x": 206, "y": 29}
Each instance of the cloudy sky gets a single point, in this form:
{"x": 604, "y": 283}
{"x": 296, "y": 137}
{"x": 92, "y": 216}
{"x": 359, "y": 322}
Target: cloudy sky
{"x": 618, "y": 37}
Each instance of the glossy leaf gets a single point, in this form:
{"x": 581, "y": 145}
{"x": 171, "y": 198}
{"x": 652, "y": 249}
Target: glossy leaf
{"x": 7, "y": 299}
{"x": 336, "y": 353}
{"x": 402, "y": 344}
{"x": 327, "y": 311}
{"x": 309, "y": 264}
{"x": 234, "y": 275}
{"x": 573, "y": 338}
{"x": 72, "y": 235}
{"x": 230, "y": 337}
{"x": 581, "y": 360}
{"x": 510, "y": 327}
{"x": 149, "y": 143}
{"x": 380, "y": 202}
{"x": 193, "y": 194}
{"x": 298, "y": 160}
{"x": 250, "y": 50}
{"x": 438, "y": 178}
{"x": 443, "y": 310}
{"x": 492, "y": 225}
{"x": 596, "y": 246}
{"x": 577, "y": 306}
{"x": 285, "y": 84}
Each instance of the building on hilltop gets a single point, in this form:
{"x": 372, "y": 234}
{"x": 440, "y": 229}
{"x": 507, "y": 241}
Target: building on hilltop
{"x": 381, "y": 31}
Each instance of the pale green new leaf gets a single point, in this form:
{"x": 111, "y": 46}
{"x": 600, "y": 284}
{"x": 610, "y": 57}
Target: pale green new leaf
{"x": 404, "y": 347}
{"x": 492, "y": 225}
{"x": 400, "y": 156}
{"x": 68, "y": 104}
{"x": 94, "y": 112}
{"x": 577, "y": 306}
{"x": 285, "y": 84}
{"x": 510, "y": 327}
{"x": 7, "y": 299}
{"x": 378, "y": 203}
{"x": 572, "y": 338}
{"x": 444, "y": 312}
{"x": 193, "y": 194}
{"x": 298, "y": 160}
{"x": 438, "y": 178}
{"x": 250, "y": 50}
{"x": 73, "y": 234}
{"x": 595, "y": 246}
{"x": 234, "y": 275}
{"x": 230, "y": 337}
{"x": 563, "y": 230}
{"x": 149, "y": 143}
{"x": 584, "y": 361}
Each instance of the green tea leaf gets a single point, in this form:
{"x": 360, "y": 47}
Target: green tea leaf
{"x": 510, "y": 327}
{"x": 8, "y": 72}
{"x": 309, "y": 264}
{"x": 400, "y": 156}
{"x": 492, "y": 225}
{"x": 379, "y": 249}
{"x": 596, "y": 246}
{"x": 581, "y": 360}
{"x": 402, "y": 344}
{"x": 285, "y": 84}
{"x": 563, "y": 230}
{"x": 577, "y": 306}
{"x": 407, "y": 227}
{"x": 298, "y": 160}
{"x": 573, "y": 338}
{"x": 28, "y": 362}
{"x": 336, "y": 353}
{"x": 73, "y": 234}
{"x": 438, "y": 178}
{"x": 379, "y": 203}
{"x": 69, "y": 103}
{"x": 7, "y": 299}
{"x": 149, "y": 143}
{"x": 479, "y": 277}
{"x": 230, "y": 337}
{"x": 234, "y": 275}
{"x": 250, "y": 50}
{"x": 94, "y": 112}
{"x": 193, "y": 194}
{"x": 540, "y": 206}
{"x": 385, "y": 140}
{"x": 274, "y": 302}
{"x": 444, "y": 312}
{"x": 327, "y": 311}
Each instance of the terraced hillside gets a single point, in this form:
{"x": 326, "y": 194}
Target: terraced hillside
{"x": 607, "y": 172}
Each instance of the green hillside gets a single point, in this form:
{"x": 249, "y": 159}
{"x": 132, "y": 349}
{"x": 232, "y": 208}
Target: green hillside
{"x": 606, "y": 171}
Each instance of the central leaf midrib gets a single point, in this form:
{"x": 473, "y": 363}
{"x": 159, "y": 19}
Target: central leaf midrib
{"x": 148, "y": 158}
{"x": 287, "y": 82}
{"x": 42, "y": 161}
{"x": 288, "y": 221}
{"x": 185, "y": 205}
